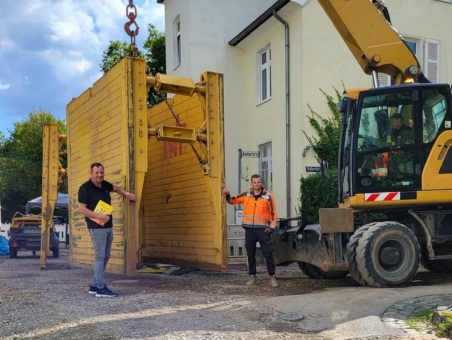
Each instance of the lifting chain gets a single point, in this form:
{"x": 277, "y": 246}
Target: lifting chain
{"x": 131, "y": 13}
{"x": 201, "y": 161}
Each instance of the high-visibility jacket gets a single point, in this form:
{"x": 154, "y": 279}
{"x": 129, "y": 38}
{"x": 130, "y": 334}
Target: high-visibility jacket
{"x": 258, "y": 211}
{"x": 381, "y": 165}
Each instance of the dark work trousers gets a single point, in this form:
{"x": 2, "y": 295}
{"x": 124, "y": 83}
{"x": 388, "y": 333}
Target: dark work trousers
{"x": 253, "y": 235}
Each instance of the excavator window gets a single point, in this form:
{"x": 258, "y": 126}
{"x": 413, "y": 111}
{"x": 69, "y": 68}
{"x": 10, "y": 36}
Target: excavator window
{"x": 396, "y": 130}
{"x": 386, "y": 140}
{"x": 434, "y": 110}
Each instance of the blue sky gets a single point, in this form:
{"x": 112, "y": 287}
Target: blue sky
{"x": 50, "y": 50}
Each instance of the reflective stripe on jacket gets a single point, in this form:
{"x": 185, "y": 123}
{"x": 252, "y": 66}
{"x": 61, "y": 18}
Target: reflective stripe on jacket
{"x": 258, "y": 211}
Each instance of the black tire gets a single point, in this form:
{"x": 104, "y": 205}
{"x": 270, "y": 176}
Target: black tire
{"x": 12, "y": 253}
{"x": 437, "y": 266}
{"x": 336, "y": 275}
{"x": 56, "y": 252}
{"x": 320, "y": 274}
{"x": 351, "y": 253}
{"x": 314, "y": 272}
{"x": 304, "y": 269}
{"x": 388, "y": 255}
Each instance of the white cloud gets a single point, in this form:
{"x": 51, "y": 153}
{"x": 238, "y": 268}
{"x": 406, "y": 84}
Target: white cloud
{"x": 50, "y": 50}
{"x": 4, "y": 86}
{"x": 6, "y": 45}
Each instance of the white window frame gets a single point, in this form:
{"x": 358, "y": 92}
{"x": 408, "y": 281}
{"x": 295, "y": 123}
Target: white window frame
{"x": 177, "y": 45}
{"x": 264, "y": 86}
{"x": 266, "y": 173}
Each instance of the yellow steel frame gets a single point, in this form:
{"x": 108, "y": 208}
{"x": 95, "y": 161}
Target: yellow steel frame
{"x": 211, "y": 137}
{"x": 138, "y": 165}
{"x": 52, "y": 173}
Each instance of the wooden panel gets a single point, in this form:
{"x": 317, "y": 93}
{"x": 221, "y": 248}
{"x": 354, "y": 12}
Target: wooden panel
{"x": 97, "y": 132}
{"x": 182, "y": 218}
{"x": 184, "y": 213}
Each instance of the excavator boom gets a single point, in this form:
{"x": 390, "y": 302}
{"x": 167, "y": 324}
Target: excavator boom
{"x": 374, "y": 43}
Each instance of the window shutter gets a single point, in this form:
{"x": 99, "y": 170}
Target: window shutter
{"x": 431, "y": 60}
{"x": 384, "y": 79}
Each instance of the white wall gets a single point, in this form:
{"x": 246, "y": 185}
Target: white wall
{"x": 319, "y": 59}
{"x": 206, "y": 28}
{"x": 4, "y": 229}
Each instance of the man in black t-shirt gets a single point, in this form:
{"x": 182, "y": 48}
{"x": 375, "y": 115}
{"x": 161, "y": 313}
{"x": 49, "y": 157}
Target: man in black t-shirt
{"x": 90, "y": 193}
{"x": 401, "y": 133}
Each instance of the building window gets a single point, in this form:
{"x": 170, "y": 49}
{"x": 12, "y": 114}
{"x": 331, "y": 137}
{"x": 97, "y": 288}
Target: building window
{"x": 264, "y": 79}
{"x": 431, "y": 60}
{"x": 265, "y": 165}
{"x": 428, "y": 59}
{"x": 177, "y": 42}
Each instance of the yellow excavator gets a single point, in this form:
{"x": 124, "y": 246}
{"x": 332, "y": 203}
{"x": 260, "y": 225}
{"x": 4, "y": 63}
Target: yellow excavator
{"x": 395, "y": 158}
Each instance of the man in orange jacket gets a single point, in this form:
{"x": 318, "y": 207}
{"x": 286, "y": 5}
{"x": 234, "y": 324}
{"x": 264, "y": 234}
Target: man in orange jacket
{"x": 259, "y": 221}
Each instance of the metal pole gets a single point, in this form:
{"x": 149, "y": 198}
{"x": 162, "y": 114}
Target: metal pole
{"x": 287, "y": 77}
{"x": 240, "y": 170}
{"x": 236, "y": 207}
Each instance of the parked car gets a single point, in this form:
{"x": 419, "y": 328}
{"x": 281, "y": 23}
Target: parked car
{"x": 25, "y": 234}
{"x": 4, "y": 246}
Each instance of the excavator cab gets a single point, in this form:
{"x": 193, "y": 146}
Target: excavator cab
{"x": 387, "y": 138}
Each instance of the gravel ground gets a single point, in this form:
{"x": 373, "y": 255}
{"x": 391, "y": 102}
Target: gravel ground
{"x": 54, "y": 304}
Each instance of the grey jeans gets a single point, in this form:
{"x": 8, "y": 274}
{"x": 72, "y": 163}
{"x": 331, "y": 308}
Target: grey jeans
{"x": 102, "y": 240}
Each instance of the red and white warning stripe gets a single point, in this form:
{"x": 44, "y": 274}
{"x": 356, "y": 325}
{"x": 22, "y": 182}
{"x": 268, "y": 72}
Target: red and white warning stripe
{"x": 382, "y": 196}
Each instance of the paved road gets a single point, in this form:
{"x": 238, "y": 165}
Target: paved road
{"x": 204, "y": 305}
{"x": 359, "y": 312}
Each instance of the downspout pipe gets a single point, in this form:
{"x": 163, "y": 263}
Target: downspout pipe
{"x": 287, "y": 76}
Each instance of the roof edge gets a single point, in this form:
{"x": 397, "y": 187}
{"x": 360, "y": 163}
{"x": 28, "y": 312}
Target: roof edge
{"x": 256, "y": 23}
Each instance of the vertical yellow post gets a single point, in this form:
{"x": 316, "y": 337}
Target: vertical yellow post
{"x": 215, "y": 147}
{"x": 50, "y": 171}
{"x": 138, "y": 162}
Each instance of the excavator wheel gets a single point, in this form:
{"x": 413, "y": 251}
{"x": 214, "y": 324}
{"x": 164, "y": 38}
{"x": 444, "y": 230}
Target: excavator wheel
{"x": 304, "y": 268}
{"x": 438, "y": 266}
{"x": 388, "y": 255}
{"x": 314, "y": 272}
{"x": 351, "y": 253}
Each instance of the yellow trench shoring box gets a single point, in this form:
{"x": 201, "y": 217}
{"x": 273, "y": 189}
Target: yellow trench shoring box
{"x": 179, "y": 217}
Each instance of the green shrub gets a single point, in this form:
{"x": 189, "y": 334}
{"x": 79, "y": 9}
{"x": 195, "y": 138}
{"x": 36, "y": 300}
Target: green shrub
{"x": 314, "y": 194}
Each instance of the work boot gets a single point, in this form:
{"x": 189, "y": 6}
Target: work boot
{"x": 252, "y": 280}
{"x": 272, "y": 282}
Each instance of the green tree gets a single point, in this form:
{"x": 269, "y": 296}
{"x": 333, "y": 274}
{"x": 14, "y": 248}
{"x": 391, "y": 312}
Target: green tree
{"x": 154, "y": 54}
{"x": 114, "y": 53}
{"x": 155, "y": 57}
{"x": 21, "y": 162}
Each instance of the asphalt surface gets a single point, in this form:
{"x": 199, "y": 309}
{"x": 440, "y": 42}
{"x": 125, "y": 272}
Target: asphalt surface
{"x": 207, "y": 305}
{"x": 360, "y": 312}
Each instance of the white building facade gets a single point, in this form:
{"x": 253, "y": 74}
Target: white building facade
{"x": 275, "y": 57}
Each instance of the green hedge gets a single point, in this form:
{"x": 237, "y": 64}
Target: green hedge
{"x": 314, "y": 194}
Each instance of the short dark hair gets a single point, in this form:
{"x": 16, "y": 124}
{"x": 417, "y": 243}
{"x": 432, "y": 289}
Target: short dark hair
{"x": 397, "y": 116}
{"x": 97, "y": 165}
{"x": 256, "y": 176}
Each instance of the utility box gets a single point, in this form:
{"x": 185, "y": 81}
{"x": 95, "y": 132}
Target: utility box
{"x": 236, "y": 245}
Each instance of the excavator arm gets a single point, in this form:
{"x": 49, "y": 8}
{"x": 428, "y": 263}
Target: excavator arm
{"x": 365, "y": 27}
